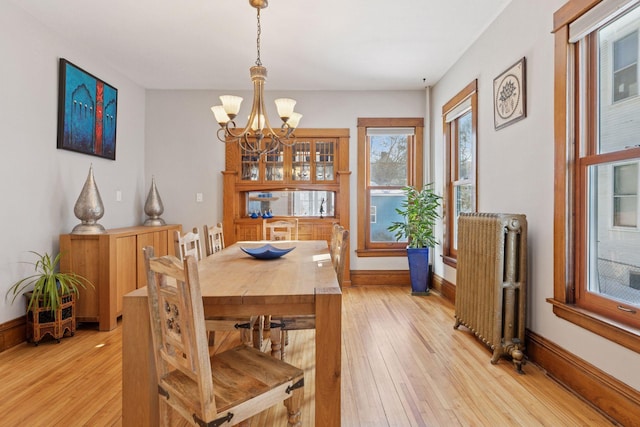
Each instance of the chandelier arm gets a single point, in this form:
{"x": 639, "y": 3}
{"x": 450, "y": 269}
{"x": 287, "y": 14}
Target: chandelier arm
{"x": 233, "y": 131}
{"x": 222, "y": 135}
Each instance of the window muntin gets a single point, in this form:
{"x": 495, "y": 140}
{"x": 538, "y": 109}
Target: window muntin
{"x": 608, "y": 241}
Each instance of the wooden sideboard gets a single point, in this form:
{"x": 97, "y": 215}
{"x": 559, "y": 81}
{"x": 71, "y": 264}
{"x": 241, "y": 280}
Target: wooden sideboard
{"x": 114, "y": 263}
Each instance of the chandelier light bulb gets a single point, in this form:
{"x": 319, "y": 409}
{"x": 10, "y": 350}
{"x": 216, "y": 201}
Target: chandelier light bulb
{"x": 257, "y": 124}
{"x": 285, "y": 107}
{"x": 231, "y": 105}
{"x": 220, "y": 114}
{"x": 294, "y": 119}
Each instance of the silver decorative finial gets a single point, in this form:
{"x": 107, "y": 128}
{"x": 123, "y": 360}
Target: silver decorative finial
{"x": 89, "y": 208}
{"x": 153, "y": 207}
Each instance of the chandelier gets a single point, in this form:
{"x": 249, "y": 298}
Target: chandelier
{"x": 257, "y": 137}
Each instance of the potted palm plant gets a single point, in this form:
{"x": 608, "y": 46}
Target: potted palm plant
{"x": 419, "y": 210}
{"x": 51, "y": 302}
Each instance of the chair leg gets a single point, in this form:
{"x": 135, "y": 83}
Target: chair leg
{"x": 284, "y": 341}
{"x": 276, "y": 342}
{"x": 294, "y": 405}
{"x": 258, "y": 332}
{"x": 246, "y": 337}
{"x": 166, "y": 413}
{"x": 211, "y": 337}
{"x": 267, "y": 325}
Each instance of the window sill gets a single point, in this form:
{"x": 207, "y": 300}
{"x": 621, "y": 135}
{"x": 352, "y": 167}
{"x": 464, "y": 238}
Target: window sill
{"x": 450, "y": 261}
{"x": 381, "y": 252}
{"x": 623, "y": 335}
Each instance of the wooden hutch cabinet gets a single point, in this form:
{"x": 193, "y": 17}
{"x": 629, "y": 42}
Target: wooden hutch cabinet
{"x": 114, "y": 263}
{"x": 308, "y": 180}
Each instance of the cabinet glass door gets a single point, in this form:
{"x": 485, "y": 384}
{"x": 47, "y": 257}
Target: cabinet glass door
{"x": 249, "y": 166}
{"x": 324, "y": 160}
{"x": 274, "y": 165}
{"x": 301, "y": 161}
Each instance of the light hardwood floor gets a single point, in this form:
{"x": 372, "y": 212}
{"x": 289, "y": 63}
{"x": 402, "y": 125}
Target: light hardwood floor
{"x": 403, "y": 365}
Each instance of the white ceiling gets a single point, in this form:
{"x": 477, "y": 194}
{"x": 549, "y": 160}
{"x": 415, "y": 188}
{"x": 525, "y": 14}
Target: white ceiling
{"x": 305, "y": 44}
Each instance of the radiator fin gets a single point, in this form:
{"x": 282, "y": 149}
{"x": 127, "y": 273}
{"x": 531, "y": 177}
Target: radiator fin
{"x": 491, "y": 281}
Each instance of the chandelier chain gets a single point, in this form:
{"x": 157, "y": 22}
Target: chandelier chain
{"x": 258, "y": 62}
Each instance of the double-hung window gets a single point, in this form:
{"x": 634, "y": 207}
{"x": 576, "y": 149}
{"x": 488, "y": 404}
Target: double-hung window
{"x": 459, "y": 117}
{"x": 389, "y": 158}
{"x": 597, "y": 156}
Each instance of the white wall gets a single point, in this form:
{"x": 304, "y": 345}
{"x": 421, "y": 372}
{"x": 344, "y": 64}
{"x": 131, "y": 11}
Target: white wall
{"x": 185, "y": 156}
{"x": 515, "y": 165}
{"x": 40, "y": 184}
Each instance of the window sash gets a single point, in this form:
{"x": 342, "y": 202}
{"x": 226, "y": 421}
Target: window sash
{"x": 598, "y": 16}
{"x": 378, "y": 237}
{"x": 461, "y": 191}
{"x": 603, "y": 260}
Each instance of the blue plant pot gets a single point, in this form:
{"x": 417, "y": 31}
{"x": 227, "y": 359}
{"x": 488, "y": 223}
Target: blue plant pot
{"x": 419, "y": 270}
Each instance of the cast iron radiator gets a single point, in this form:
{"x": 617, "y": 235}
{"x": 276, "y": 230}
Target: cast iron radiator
{"x": 491, "y": 281}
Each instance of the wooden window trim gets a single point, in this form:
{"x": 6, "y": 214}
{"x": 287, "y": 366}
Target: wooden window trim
{"x": 449, "y": 256}
{"x": 563, "y": 300}
{"x": 415, "y": 171}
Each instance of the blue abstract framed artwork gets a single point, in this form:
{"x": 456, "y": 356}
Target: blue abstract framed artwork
{"x": 87, "y": 113}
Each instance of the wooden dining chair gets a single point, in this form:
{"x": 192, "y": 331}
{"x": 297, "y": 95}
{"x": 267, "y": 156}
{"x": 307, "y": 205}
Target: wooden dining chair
{"x": 280, "y": 229}
{"x": 251, "y": 328}
{"x": 340, "y": 252}
{"x": 214, "y": 239}
{"x": 281, "y": 325}
{"x": 335, "y": 229}
{"x": 229, "y": 387}
{"x": 277, "y": 230}
{"x": 188, "y": 244}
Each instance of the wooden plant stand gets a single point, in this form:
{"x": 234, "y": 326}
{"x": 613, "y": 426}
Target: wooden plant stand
{"x": 41, "y": 321}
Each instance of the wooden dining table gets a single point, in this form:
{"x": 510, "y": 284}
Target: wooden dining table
{"x": 302, "y": 282}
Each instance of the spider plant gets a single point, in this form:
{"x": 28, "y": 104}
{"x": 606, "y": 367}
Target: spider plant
{"x": 49, "y": 285}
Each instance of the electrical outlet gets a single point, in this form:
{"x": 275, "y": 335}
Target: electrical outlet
{"x": 199, "y": 197}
